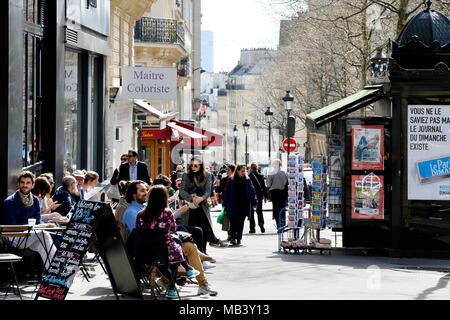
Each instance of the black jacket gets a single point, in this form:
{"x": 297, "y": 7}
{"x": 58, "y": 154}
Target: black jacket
{"x": 124, "y": 173}
{"x": 259, "y": 184}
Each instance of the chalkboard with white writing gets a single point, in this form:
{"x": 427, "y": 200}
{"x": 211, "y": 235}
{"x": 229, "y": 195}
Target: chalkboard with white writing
{"x": 86, "y": 227}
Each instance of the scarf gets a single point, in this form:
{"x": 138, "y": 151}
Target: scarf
{"x": 26, "y": 201}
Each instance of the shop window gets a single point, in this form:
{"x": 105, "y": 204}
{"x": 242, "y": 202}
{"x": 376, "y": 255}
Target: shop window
{"x": 72, "y": 113}
{"x": 31, "y": 134}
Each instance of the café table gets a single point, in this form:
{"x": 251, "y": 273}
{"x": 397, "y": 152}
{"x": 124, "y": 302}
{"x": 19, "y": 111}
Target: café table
{"x": 40, "y": 229}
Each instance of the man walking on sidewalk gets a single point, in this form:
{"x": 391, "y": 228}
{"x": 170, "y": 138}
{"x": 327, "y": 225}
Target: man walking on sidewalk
{"x": 261, "y": 193}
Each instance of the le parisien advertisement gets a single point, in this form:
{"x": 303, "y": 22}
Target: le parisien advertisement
{"x": 368, "y": 197}
{"x": 428, "y": 152}
{"x": 367, "y": 147}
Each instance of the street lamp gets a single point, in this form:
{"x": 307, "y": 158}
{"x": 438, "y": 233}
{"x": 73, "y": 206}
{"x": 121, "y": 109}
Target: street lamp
{"x": 288, "y": 100}
{"x": 269, "y": 119}
{"x": 246, "y": 126}
{"x": 235, "y": 132}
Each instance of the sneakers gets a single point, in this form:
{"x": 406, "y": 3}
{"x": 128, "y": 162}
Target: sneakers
{"x": 207, "y": 265}
{"x": 238, "y": 243}
{"x": 172, "y": 294}
{"x": 218, "y": 243}
{"x": 206, "y": 289}
{"x": 192, "y": 273}
{"x": 232, "y": 242}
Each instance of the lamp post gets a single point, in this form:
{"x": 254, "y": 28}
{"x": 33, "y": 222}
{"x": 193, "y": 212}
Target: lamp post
{"x": 269, "y": 118}
{"x": 288, "y": 100}
{"x": 246, "y": 126}
{"x": 235, "y": 132}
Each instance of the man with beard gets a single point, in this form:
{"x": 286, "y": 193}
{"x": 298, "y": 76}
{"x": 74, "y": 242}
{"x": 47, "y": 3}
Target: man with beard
{"x": 23, "y": 205}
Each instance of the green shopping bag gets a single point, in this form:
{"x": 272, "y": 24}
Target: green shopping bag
{"x": 220, "y": 217}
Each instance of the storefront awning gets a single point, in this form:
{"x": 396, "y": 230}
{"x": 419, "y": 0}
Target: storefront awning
{"x": 213, "y": 139}
{"x": 188, "y": 137}
{"x": 147, "y": 108}
{"x": 343, "y": 107}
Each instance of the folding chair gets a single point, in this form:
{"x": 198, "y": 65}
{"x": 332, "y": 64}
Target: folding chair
{"x": 148, "y": 250}
{"x": 13, "y": 244}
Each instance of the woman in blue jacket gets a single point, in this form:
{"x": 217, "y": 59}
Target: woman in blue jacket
{"x": 238, "y": 201}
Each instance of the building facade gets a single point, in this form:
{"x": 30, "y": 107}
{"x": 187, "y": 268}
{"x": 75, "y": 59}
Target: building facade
{"x": 243, "y": 104}
{"x": 53, "y": 112}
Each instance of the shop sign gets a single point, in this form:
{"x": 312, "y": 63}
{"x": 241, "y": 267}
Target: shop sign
{"x": 156, "y": 84}
{"x": 368, "y": 197}
{"x": 428, "y": 155}
{"x": 367, "y": 147}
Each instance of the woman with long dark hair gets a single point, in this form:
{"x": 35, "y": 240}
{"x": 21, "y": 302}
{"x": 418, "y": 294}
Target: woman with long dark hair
{"x": 158, "y": 215}
{"x": 238, "y": 201}
{"x": 195, "y": 189}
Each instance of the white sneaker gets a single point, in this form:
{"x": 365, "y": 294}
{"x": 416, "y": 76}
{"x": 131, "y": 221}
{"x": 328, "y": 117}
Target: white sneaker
{"x": 207, "y": 265}
{"x": 206, "y": 289}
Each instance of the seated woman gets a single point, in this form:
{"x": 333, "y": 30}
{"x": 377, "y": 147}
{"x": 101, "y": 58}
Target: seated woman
{"x": 158, "y": 215}
{"x": 41, "y": 188}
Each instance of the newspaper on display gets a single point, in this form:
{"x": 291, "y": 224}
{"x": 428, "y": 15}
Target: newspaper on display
{"x": 295, "y": 191}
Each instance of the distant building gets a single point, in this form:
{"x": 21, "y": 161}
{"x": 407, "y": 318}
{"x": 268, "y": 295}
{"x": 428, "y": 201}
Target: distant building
{"x": 207, "y": 51}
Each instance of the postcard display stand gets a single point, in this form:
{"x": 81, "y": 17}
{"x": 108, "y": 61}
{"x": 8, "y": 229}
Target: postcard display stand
{"x": 319, "y": 203}
{"x": 335, "y": 180}
{"x": 290, "y": 235}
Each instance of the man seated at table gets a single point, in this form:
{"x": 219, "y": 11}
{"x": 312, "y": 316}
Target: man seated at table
{"x": 64, "y": 195}
{"x": 21, "y": 206}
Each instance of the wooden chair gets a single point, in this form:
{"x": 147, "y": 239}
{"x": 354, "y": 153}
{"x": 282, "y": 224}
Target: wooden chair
{"x": 13, "y": 244}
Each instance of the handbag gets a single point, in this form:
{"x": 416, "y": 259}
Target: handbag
{"x": 207, "y": 201}
{"x": 220, "y": 217}
{"x": 183, "y": 236}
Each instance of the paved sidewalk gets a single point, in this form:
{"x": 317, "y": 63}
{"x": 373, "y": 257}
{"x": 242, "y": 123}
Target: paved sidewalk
{"x": 256, "y": 271}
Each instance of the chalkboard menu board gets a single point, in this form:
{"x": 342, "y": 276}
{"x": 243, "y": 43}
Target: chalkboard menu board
{"x": 91, "y": 220}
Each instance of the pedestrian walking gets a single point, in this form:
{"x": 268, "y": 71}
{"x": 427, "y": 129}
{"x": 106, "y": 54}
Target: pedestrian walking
{"x": 261, "y": 194}
{"x": 114, "y": 192}
{"x": 238, "y": 201}
{"x": 134, "y": 169}
{"x": 195, "y": 189}
{"x": 222, "y": 188}
{"x": 277, "y": 182}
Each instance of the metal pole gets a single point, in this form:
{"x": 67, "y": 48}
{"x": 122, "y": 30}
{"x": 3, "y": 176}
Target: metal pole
{"x": 246, "y": 153}
{"x": 270, "y": 134}
{"x": 235, "y": 150}
{"x": 289, "y": 141}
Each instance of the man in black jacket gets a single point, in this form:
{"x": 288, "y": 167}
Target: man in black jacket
{"x": 261, "y": 193}
{"x": 133, "y": 170}
{"x": 178, "y": 174}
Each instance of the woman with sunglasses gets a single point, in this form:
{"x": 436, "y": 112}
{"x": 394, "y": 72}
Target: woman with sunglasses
{"x": 195, "y": 188}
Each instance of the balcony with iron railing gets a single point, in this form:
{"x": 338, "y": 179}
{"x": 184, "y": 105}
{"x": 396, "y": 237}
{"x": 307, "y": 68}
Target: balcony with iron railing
{"x": 158, "y": 30}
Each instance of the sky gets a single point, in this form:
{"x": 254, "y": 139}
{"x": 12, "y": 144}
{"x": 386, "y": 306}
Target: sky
{"x": 238, "y": 24}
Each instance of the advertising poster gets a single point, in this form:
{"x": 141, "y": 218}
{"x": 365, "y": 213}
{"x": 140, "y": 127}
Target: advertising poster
{"x": 428, "y": 152}
{"x": 367, "y": 147}
{"x": 368, "y": 197}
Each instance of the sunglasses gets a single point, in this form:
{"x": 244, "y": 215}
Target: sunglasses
{"x": 124, "y": 159}
{"x": 130, "y": 156}
{"x": 195, "y": 166}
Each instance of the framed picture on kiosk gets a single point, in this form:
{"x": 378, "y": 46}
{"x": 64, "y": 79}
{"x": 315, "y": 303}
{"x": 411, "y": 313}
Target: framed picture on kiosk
{"x": 367, "y": 147}
{"x": 368, "y": 197}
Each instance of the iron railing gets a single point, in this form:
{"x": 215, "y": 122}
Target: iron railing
{"x": 159, "y": 31}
